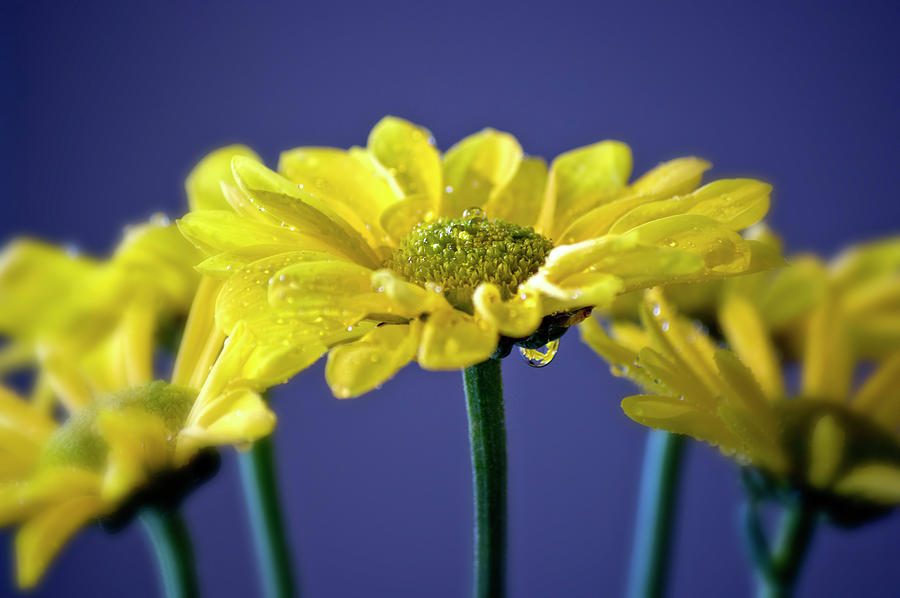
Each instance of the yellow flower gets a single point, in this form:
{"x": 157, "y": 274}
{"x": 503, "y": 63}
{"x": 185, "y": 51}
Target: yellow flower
{"x": 57, "y": 307}
{"x": 394, "y": 252}
{"x": 140, "y": 443}
{"x": 839, "y": 444}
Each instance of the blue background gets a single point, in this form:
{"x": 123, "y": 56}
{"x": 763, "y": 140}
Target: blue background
{"x": 106, "y": 105}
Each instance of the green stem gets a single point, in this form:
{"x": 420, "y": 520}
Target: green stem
{"x": 273, "y": 553}
{"x": 794, "y": 538}
{"x": 174, "y": 554}
{"x": 487, "y": 436}
{"x": 656, "y": 509}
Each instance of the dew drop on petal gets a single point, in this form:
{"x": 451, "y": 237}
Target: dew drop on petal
{"x": 474, "y": 213}
{"x": 538, "y": 358}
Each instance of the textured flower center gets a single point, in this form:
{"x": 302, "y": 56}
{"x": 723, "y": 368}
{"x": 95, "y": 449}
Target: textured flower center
{"x": 78, "y": 441}
{"x": 456, "y": 255}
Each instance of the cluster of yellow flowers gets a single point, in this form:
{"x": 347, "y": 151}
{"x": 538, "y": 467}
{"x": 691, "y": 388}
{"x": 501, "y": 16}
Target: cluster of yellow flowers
{"x": 394, "y": 252}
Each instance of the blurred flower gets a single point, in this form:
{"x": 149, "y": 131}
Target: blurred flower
{"x": 393, "y": 252}
{"x": 136, "y": 444}
{"x": 838, "y": 444}
{"x": 57, "y": 306}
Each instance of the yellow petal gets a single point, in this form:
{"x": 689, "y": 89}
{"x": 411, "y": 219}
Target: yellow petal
{"x": 521, "y": 199}
{"x": 225, "y": 264}
{"x": 34, "y": 276}
{"x": 674, "y": 415}
{"x": 827, "y": 362}
{"x": 734, "y": 203}
{"x": 203, "y": 184}
{"x": 358, "y": 367}
{"x": 622, "y": 358}
{"x": 410, "y": 299}
{"x": 598, "y": 221}
{"x": 877, "y": 482}
{"x": 400, "y": 218}
{"x": 580, "y": 180}
{"x": 407, "y": 152}
{"x": 748, "y": 337}
{"x": 476, "y": 169}
{"x": 351, "y": 185}
{"x": 723, "y": 250}
{"x": 826, "y": 451}
{"x": 879, "y": 397}
{"x": 137, "y": 445}
{"x": 454, "y": 340}
{"x": 299, "y": 210}
{"x": 40, "y": 538}
{"x": 516, "y": 317}
{"x": 216, "y": 231}
{"x": 675, "y": 177}
{"x": 336, "y": 289}
{"x": 239, "y": 416}
{"x": 245, "y": 297}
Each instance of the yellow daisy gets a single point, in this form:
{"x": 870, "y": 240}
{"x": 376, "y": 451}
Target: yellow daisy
{"x": 838, "y": 445}
{"x": 140, "y": 443}
{"x": 395, "y": 252}
{"x": 56, "y": 307}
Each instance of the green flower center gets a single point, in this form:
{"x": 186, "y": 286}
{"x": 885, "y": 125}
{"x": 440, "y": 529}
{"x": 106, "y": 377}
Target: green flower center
{"x": 456, "y": 255}
{"x": 78, "y": 441}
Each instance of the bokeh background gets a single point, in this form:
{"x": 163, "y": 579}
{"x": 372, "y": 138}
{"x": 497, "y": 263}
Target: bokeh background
{"x": 107, "y": 105}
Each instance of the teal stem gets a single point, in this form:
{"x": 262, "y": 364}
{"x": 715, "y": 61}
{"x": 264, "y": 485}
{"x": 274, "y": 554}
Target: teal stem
{"x": 655, "y": 516}
{"x": 273, "y": 554}
{"x": 487, "y": 437}
{"x": 174, "y": 552}
{"x": 795, "y": 534}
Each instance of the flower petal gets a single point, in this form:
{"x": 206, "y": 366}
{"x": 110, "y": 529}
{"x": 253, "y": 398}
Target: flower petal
{"x": 827, "y": 360}
{"x": 734, "y": 203}
{"x": 476, "y": 169}
{"x": 204, "y": 183}
{"x": 351, "y": 185}
{"x": 580, "y": 180}
{"x": 40, "y": 538}
{"x": 299, "y": 210}
{"x": 137, "y": 446}
{"x": 517, "y": 317}
{"x": 675, "y": 177}
{"x": 407, "y": 152}
{"x": 358, "y": 367}
{"x": 748, "y": 337}
{"x": 680, "y": 417}
{"x": 877, "y": 482}
{"x": 239, "y": 416}
{"x": 453, "y": 340}
{"x": 521, "y": 199}
{"x": 723, "y": 250}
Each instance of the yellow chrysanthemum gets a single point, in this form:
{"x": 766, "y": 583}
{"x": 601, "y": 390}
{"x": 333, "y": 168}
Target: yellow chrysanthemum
{"x": 841, "y": 445}
{"x": 138, "y": 443}
{"x": 56, "y": 307}
{"x": 394, "y": 252}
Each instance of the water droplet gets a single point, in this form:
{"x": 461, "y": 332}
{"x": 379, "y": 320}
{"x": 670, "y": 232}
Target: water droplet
{"x": 538, "y": 358}
{"x": 448, "y": 189}
{"x": 474, "y": 213}
{"x": 656, "y": 309}
{"x": 665, "y": 325}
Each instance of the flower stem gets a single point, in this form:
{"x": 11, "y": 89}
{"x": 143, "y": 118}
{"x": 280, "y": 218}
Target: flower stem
{"x": 653, "y": 530}
{"x": 794, "y": 538}
{"x": 174, "y": 553}
{"x": 487, "y": 436}
{"x": 273, "y": 552}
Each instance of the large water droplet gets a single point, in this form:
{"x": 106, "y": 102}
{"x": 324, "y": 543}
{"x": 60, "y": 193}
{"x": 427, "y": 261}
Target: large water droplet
{"x": 474, "y": 213}
{"x": 538, "y": 358}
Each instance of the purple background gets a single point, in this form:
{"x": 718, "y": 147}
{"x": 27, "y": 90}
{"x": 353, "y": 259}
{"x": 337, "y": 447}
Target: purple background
{"x": 106, "y": 105}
